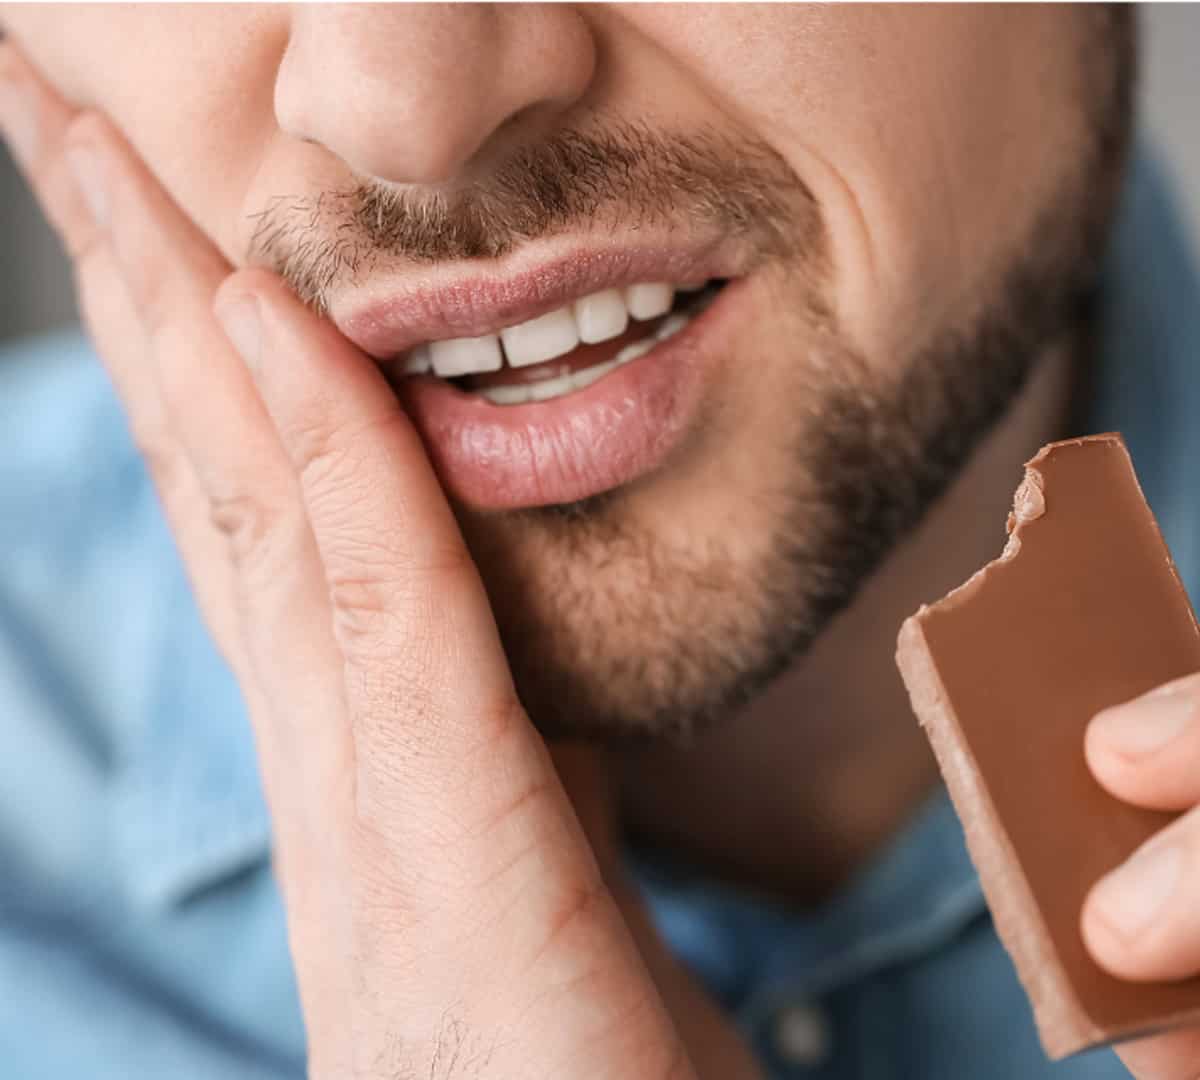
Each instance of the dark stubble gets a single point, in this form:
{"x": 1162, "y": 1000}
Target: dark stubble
{"x": 612, "y": 632}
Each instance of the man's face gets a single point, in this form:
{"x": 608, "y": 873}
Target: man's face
{"x": 903, "y": 206}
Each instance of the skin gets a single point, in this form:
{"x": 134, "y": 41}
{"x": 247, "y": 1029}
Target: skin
{"x": 888, "y": 120}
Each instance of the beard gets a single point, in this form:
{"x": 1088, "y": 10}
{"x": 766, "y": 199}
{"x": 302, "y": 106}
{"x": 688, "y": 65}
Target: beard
{"x": 620, "y": 627}
{"x": 651, "y": 610}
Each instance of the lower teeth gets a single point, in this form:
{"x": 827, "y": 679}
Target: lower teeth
{"x": 545, "y": 389}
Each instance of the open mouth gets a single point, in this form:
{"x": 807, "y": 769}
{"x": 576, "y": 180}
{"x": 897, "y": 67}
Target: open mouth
{"x": 564, "y": 350}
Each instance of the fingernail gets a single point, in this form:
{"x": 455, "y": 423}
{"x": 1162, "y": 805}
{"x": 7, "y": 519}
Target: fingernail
{"x": 17, "y": 117}
{"x": 240, "y": 318}
{"x": 1146, "y": 724}
{"x": 1134, "y": 894}
{"x": 89, "y": 179}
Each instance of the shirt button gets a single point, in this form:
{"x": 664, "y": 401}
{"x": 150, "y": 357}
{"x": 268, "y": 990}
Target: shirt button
{"x": 802, "y": 1036}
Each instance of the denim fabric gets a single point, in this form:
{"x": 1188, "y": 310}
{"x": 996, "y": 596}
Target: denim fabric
{"x": 141, "y": 933}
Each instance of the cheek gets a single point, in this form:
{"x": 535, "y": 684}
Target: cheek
{"x": 190, "y": 87}
{"x": 78, "y": 73}
{"x": 929, "y": 136}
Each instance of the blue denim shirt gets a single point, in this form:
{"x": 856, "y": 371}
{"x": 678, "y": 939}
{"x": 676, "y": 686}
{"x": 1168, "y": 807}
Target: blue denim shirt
{"x": 141, "y": 933}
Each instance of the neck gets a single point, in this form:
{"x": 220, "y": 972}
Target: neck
{"x": 792, "y": 796}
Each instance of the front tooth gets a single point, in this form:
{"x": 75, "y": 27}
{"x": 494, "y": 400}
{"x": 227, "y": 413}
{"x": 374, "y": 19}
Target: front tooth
{"x": 649, "y": 301}
{"x": 465, "y": 356}
{"x": 601, "y": 316}
{"x": 418, "y": 361}
{"x": 540, "y": 339}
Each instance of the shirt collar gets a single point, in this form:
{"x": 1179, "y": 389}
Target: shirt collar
{"x": 190, "y": 809}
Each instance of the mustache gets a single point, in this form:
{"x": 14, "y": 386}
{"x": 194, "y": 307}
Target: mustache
{"x": 624, "y": 176}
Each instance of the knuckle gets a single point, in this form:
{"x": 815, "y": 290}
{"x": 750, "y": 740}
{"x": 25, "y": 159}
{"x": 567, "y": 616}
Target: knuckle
{"x": 448, "y": 564}
{"x": 59, "y": 188}
{"x": 135, "y": 242}
{"x": 323, "y": 452}
{"x": 380, "y": 591}
{"x": 148, "y": 282}
{"x": 363, "y": 613}
{"x": 502, "y": 728}
{"x": 528, "y": 791}
{"x": 248, "y": 523}
{"x": 575, "y": 913}
{"x": 381, "y": 900}
{"x": 88, "y": 127}
{"x": 79, "y": 234}
{"x": 98, "y": 285}
{"x": 331, "y": 457}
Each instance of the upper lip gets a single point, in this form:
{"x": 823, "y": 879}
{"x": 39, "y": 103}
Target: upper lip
{"x": 400, "y": 310}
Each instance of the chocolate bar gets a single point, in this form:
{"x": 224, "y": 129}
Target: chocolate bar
{"x": 1083, "y": 609}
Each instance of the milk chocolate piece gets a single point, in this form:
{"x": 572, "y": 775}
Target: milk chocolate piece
{"x": 1083, "y": 609}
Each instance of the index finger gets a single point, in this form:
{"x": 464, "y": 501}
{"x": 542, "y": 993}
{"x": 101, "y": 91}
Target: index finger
{"x": 435, "y": 719}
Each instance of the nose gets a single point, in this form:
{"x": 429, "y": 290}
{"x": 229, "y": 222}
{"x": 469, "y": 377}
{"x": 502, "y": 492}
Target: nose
{"x": 413, "y": 93}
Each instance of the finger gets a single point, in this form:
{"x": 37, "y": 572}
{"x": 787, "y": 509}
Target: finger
{"x": 252, "y": 516}
{"x": 443, "y": 751}
{"x": 146, "y": 277}
{"x": 462, "y": 826}
{"x": 234, "y": 508}
{"x": 38, "y": 126}
{"x": 1141, "y": 921}
{"x": 42, "y": 130}
{"x": 588, "y": 779}
{"x": 184, "y": 390}
{"x": 34, "y": 121}
{"x": 1172, "y": 1056}
{"x": 1147, "y": 751}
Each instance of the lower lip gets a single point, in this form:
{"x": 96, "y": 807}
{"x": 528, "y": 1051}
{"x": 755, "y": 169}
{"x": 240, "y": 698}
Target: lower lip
{"x": 505, "y": 457}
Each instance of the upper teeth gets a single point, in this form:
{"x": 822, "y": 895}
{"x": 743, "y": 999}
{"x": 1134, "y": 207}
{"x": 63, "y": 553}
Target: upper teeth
{"x": 543, "y": 338}
{"x": 461, "y": 356}
{"x": 601, "y": 316}
{"x": 593, "y": 319}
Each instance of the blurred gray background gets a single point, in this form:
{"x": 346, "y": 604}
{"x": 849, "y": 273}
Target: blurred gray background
{"x": 35, "y": 288}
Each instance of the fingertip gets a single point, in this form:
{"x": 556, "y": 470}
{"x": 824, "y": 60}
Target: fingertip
{"x": 292, "y": 318}
{"x": 1135, "y": 922}
{"x": 1130, "y": 957}
{"x": 250, "y": 289}
{"x": 1145, "y": 751}
{"x": 1108, "y": 948}
{"x": 1107, "y": 765}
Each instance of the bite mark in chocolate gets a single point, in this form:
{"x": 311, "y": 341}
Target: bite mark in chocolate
{"x": 1083, "y": 609}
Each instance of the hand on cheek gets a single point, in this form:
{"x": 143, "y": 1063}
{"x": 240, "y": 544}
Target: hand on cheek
{"x": 1142, "y": 921}
{"x": 433, "y": 869}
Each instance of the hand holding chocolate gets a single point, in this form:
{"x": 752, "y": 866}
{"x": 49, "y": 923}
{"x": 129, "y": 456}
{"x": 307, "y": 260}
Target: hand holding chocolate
{"x": 1084, "y": 609}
